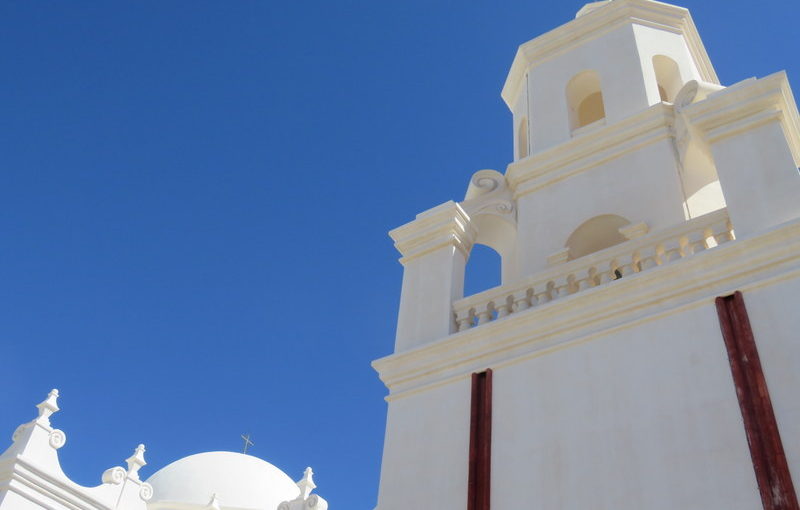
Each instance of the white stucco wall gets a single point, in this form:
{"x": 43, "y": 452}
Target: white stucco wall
{"x": 613, "y": 56}
{"x": 774, "y": 317}
{"x": 641, "y": 186}
{"x": 645, "y": 417}
{"x": 426, "y": 448}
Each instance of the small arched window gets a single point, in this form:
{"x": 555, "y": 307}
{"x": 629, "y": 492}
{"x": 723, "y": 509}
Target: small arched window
{"x": 522, "y": 139}
{"x": 668, "y": 77}
{"x": 585, "y": 99}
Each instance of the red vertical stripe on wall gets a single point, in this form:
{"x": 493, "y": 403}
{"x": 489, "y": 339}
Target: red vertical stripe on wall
{"x": 766, "y": 449}
{"x": 480, "y": 442}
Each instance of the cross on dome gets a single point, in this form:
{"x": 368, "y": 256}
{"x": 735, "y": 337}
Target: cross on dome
{"x": 247, "y": 442}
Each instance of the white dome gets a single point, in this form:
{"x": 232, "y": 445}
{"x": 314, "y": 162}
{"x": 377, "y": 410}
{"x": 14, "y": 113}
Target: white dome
{"x": 238, "y": 480}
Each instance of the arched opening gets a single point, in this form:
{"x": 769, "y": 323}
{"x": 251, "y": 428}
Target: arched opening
{"x": 522, "y": 139}
{"x": 668, "y": 77}
{"x": 483, "y": 269}
{"x": 596, "y": 234}
{"x": 585, "y": 99}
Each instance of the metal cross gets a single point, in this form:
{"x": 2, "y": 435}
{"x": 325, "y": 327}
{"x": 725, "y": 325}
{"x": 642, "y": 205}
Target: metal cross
{"x": 247, "y": 442}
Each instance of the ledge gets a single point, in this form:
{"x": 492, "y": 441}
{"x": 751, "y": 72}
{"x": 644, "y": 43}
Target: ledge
{"x": 746, "y": 105}
{"x": 587, "y": 150}
{"x": 445, "y": 224}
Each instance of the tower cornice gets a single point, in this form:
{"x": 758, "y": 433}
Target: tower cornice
{"x": 601, "y": 21}
{"x": 445, "y": 224}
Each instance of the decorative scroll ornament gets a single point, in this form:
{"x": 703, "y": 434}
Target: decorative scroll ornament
{"x": 57, "y": 439}
{"x": 284, "y": 506}
{"x": 312, "y": 501}
{"x": 488, "y": 193}
{"x": 115, "y": 475}
{"x": 146, "y": 492}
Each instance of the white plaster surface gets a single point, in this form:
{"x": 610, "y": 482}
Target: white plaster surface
{"x": 426, "y": 450}
{"x": 238, "y": 480}
{"x": 645, "y": 417}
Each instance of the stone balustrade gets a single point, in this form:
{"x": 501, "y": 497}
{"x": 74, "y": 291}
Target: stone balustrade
{"x": 635, "y": 256}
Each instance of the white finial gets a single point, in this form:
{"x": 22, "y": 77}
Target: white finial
{"x": 135, "y": 462}
{"x": 214, "y": 503}
{"x": 48, "y": 407}
{"x": 306, "y": 484}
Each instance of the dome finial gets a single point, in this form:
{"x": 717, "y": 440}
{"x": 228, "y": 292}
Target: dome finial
{"x": 48, "y": 407}
{"x": 306, "y": 484}
{"x": 135, "y": 462}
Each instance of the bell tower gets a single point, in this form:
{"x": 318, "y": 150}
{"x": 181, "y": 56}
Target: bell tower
{"x": 641, "y": 350}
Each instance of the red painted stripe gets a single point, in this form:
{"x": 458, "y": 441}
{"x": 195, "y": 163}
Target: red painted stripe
{"x": 761, "y": 428}
{"x": 480, "y": 442}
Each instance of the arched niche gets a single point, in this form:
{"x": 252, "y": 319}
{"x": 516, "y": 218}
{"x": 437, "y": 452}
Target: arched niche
{"x": 668, "y": 77}
{"x": 585, "y": 99}
{"x": 596, "y": 234}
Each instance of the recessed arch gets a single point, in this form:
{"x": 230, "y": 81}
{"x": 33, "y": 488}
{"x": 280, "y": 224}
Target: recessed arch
{"x": 595, "y": 234}
{"x": 585, "y": 99}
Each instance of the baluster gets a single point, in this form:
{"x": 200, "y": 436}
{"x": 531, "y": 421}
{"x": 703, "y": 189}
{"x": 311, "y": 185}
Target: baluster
{"x": 550, "y": 292}
{"x": 606, "y": 275}
{"x": 464, "y": 319}
{"x": 570, "y": 287}
{"x": 520, "y": 299}
{"x": 672, "y": 251}
{"x": 484, "y": 313}
{"x": 723, "y": 232}
{"x": 695, "y": 242}
{"x": 625, "y": 266}
{"x": 503, "y": 307}
{"x": 586, "y": 282}
{"x": 648, "y": 258}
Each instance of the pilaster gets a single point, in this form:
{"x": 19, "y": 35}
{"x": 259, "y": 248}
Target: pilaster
{"x": 435, "y": 247}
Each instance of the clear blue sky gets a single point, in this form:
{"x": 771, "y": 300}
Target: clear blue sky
{"x": 195, "y": 198}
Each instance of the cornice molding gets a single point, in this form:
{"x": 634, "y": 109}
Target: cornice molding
{"x": 444, "y": 225}
{"x": 747, "y": 105}
{"x": 588, "y": 150}
{"x": 642, "y": 297}
{"x": 599, "y": 22}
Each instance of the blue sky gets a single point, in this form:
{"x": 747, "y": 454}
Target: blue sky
{"x": 195, "y": 199}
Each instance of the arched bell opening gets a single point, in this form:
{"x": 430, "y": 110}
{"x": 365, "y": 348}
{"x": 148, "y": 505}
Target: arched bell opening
{"x": 585, "y": 100}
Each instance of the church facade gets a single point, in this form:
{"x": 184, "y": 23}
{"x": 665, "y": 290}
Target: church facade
{"x": 642, "y": 350}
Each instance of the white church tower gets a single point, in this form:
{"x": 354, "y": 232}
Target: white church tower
{"x": 643, "y": 349}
